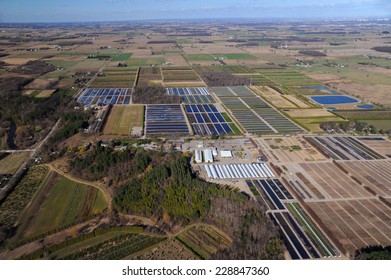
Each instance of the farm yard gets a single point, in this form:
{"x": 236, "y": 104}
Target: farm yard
{"x": 123, "y": 119}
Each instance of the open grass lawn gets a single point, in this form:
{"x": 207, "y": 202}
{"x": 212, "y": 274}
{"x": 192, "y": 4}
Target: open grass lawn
{"x": 62, "y": 202}
{"x": 232, "y": 56}
{"x": 123, "y": 118}
{"x": 122, "y": 56}
{"x": 11, "y": 163}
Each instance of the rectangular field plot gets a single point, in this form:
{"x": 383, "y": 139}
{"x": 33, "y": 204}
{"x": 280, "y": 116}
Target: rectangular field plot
{"x": 206, "y": 120}
{"x": 239, "y": 171}
{"x": 165, "y": 120}
{"x": 356, "y": 223}
{"x": 192, "y": 95}
{"x": 232, "y": 91}
{"x": 123, "y": 119}
{"x": 301, "y": 236}
{"x": 344, "y": 148}
{"x": 115, "y": 78}
{"x": 379, "y": 144}
{"x": 253, "y": 113}
{"x": 326, "y": 180}
{"x": 98, "y": 96}
{"x": 375, "y": 175}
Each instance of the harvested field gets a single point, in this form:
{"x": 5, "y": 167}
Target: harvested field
{"x": 308, "y": 113}
{"x": 327, "y": 181}
{"x": 378, "y": 144}
{"x": 375, "y": 175}
{"x": 123, "y": 119}
{"x": 11, "y": 163}
{"x": 274, "y": 97}
{"x": 356, "y": 223}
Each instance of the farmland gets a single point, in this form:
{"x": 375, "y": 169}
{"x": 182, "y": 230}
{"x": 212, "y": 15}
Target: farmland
{"x": 264, "y": 119}
{"x": 123, "y": 119}
{"x": 204, "y": 241}
{"x": 59, "y": 202}
{"x": 293, "y": 171}
{"x": 115, "y": 78}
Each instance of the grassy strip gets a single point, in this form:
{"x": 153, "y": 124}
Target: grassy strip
{"x": 312, "y": 230}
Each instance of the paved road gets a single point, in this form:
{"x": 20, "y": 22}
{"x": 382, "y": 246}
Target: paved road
{"x": 19, "y": 173}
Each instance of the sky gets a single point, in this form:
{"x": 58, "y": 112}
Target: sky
{"x": 128, "y": 10}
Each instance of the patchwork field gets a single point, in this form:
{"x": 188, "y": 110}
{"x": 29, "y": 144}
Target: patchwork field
{"x": 253, "y": 113}
{"x": 123, "y": 119}
{"x": 274, "y": 97}
{"x": 180, "y": 77}
{"x": 115, "y": 78}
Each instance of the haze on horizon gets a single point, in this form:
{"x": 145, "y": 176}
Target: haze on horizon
{"x": 127, "y": 10}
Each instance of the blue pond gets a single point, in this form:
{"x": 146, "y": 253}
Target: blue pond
{"x": 323, "y": 88}
{"x": 333, "y": 99}
{"x": 331, "y": 108}
{"x": 366, "y": 106}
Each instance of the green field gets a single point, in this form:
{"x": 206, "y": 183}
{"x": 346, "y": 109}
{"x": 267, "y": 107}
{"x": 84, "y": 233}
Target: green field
{"x": 199, "y": 57}
{"x": 148, "y": 61}
{"x": 60, "y": 202}
{"x": 11, "y": 163}
{"x": 379, "y": 124}
{"x": 123, "y": 118}
{"x": 122, "y": 56}
{"x": 236, "y": 56}
{"x": 323, "y": 245}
